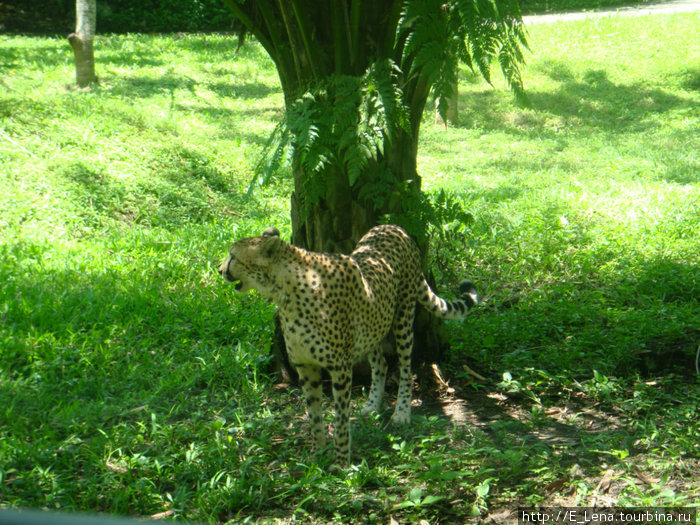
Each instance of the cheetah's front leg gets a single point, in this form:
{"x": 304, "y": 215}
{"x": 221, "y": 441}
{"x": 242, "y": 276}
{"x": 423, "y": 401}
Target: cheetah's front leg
{"x": 310, "y": 381}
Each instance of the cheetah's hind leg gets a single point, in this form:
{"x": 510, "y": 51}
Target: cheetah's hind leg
{"x": 341, "y": 378}
{"x": 403, "y": 334}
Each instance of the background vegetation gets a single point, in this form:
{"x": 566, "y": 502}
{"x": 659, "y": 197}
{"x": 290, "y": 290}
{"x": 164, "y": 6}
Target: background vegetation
{"x": 167, "y": 16}
{"x": 132, "y": 380}
{"x": 118, "y": 16}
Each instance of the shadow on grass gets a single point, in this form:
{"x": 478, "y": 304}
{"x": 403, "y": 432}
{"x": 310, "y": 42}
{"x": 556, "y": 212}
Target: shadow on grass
{"x": 224, "y": 46}
{"x": 516, "y": 421}
{"x": 598, "y": 102}
{"x": 148, "y": 86}
{"x": 140, "y": 50}
{"x": 253, "y": 90}
{"x": 498, "y": 194}
{"x": 516, "y": 444}
{"x": 640, "y": 320}
{"x": 188, "y": 189}
{"x": 99, "y": 338}
{"x": 129, "y": 59}
{"x": 42, "y": 52}
{"x": 592, "y": 101}
{"x": 691, "y": 79}
{"x": 230, "y": 124}
{"x": 92, "y": 354}
{"x": 87, "y": 336}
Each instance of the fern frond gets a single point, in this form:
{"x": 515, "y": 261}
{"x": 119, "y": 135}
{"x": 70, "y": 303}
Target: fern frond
{"x": 275, "y": 158}
{"x": 493, "y": 30}
{"x": 346, "y": 121}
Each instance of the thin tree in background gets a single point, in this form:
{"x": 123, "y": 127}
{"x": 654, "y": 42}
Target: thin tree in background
{"x": 82, "y": 42}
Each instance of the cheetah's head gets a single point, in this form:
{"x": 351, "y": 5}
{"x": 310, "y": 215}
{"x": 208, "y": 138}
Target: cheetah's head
{"x": 249, "y": 262}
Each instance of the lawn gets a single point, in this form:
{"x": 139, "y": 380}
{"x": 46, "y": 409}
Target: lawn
{"x": 133, "y": 381}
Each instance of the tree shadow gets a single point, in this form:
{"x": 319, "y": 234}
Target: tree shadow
{"x": 42, "y": 52}
{"x": 691, "y": 79}
{"x": 252, "y": 90}
{"x": 189, "y": 189}
{"x": 79, "y": 330}
{"x": 106, "y": 56}
{"x": 148, "y": 86}
{"x": 222, "y": 45}
{"x": 628, "y": 323}
{"x": 597, "y": 102}
{"x": 567, "y": 439}
{"x": 498, "y": 194}
{"x": 509, "y": 419}
{"x": 592, "y": 101}
{"x": 230, "y": 123}
{"x": 683, "y": 168}
{"x": 666, "y": 281}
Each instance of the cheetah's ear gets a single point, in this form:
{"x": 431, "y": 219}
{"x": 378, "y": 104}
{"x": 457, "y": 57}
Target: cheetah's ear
{"x": 271, "y": 232}
{"x": 270, "y": 245}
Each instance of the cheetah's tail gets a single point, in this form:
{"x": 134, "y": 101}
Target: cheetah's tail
{"x": 456, "y": 309}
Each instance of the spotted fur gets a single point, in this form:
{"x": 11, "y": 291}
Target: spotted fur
{"x": 336, "y": 309}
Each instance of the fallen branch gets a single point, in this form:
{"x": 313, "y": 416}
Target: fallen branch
{"x": 474, "y": 374}
{"x": 441, "y": 380}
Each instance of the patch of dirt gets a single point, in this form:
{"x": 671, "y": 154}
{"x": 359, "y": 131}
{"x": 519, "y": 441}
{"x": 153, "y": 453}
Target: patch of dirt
{"x": 567, "y": 425}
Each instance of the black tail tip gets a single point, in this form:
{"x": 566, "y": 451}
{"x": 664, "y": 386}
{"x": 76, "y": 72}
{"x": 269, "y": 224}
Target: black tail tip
{"x": 467, "y": 292}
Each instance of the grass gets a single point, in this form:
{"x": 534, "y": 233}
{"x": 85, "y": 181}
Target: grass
{"x": 132, "y": 381}
{"x": 609, "y": 153}
{"x": 558, "y": 6}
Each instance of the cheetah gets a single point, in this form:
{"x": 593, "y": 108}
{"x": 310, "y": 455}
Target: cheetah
{"x": 336, "y": 309}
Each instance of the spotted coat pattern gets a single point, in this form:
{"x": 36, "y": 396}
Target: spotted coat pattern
{"x": 336, "y": 309}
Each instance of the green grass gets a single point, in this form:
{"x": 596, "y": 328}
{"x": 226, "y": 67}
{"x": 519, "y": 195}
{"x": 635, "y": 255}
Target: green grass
{"x": 591, "y": 194}
{"x": 558, "y": 6}
{"x": 132, "y": 380}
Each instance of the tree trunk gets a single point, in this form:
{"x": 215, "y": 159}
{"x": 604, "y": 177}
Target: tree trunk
{"x": 82, "y": 42}
{"x": 336, "y": 222}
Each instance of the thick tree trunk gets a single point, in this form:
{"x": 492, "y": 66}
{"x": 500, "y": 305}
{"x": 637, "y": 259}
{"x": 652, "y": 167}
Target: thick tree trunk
{"x": 82, "y": 42}
{"x": 333, "y": 224}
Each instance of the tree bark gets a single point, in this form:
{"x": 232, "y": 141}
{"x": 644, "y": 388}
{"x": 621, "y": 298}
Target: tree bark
{"x": 82, "y": 42}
